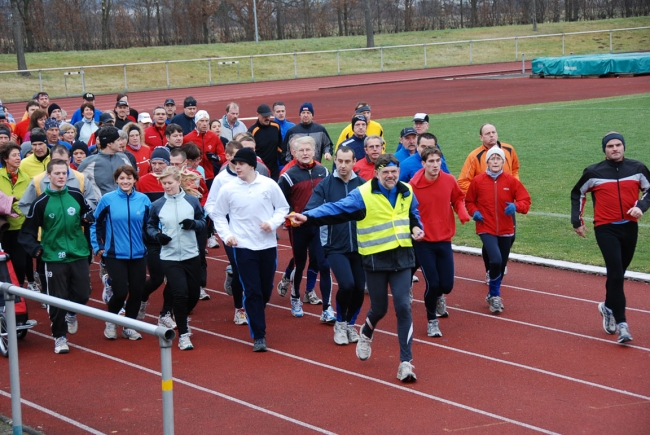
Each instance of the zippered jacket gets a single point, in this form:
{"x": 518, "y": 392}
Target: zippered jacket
{"x": 475, "y": 163}
{"x": 614, "y": 188}
{"x": 120, "y": 223}
{"x": 299, "y": 181}
{"x": 17, "y": 191}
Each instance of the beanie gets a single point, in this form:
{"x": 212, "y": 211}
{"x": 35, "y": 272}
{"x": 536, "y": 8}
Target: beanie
{"x": 25, "y": 148}
{"x": 246, "y": 155}
{"x": 52, "y": 108}
{"x": 357, "y": 118}
{"x": 613, "y": 135}
{"x": 308, "y": 107}
{"x": 38, "y": 135}
{"x": 5, "y": 130}
{"x": 201, "y": 114}
{"x": 495, "y": 150}
{"x": 51, "y": 123}
{"x": 107, "y": 135}
{"x": 160, "y": 153}
{"x": 189, "y": 102}
{"x": 79, "y": 145}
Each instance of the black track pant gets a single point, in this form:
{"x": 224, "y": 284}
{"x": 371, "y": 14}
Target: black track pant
{"x": 127, "y": 279}
{"x": 70, "y": 281}
{"x": 156, "y": 278}
{"x": 183, "y": 278}
{"x": 351, "y": 278}
{"x": 21, "y": 262}
{"x": 617, "y": 243}
{"x": 498, "y": 250}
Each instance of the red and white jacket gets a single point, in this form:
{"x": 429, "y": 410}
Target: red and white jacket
{"x": 489, "y": 197}
{"x": 614, "y": 188}
{"x": 209, "y": 142}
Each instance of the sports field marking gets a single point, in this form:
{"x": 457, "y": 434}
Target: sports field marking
{"x": 55, "y": 414}
{"x": 192, "y": 385}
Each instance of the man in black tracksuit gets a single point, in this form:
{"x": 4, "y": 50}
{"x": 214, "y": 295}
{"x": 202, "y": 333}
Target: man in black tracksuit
{"x": 308, "y": 127}
{"x": 614, "y": 184}
{"x": 340, "y": 246}
{"x": 268, "y": 139}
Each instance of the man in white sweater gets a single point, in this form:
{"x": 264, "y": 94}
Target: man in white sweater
{"x": 256, "y": 207}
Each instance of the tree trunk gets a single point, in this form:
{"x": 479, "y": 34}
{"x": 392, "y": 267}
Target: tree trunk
{"x": 370, "y": 37}
{"x": 408, "y": 17}
{"x": 161, "y": 29}
{"x": 279, "y": 18}
{"x": 106, "y": 11}
{"x": 19, "y": 43}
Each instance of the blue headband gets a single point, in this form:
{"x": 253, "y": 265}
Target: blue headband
{"x": 386, "y": 165}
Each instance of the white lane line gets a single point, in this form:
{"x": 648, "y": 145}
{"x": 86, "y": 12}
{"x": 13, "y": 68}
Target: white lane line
{"x": 197, "y": 387}
{"x": 549, "y": 294}
{"x": 55, "y": 414}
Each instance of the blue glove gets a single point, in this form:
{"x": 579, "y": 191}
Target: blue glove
{"x": 477, "y": 216}
{"x": 511, "y": 208}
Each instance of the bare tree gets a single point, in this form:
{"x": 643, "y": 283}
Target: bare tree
{"x": 370, "y": 37}
{"x": 106, "y": 13}
{"x": 19, "y": 44}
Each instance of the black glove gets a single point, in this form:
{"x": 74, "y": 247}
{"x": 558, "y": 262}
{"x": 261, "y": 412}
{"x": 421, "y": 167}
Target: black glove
{"x": 213, "y": 157}
{"x": 188, "y": 224}
{"x": 163, "y": 238}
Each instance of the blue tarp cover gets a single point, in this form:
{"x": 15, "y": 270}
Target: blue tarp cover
{"x": 593, "y": 64}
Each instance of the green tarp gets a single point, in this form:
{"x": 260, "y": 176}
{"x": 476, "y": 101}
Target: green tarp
{"x": 593, "y": 64}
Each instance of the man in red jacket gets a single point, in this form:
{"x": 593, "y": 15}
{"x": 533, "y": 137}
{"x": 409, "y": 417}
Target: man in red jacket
{"x": 154, "y": 135}
{"x": 435, "y": 191}
{"x": 614, "y": 184}
{"x": 212, "y": 150}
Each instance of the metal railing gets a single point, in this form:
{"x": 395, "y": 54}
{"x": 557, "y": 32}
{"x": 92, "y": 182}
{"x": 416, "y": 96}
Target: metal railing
{"x": 241, "y": 61}
{"x": 165, "y": 337}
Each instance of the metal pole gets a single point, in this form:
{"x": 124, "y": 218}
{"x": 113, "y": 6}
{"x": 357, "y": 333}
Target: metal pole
{"x": 523, "y": 63}
{"x": 40, "y": 79}
{"x": 126, "y": 85}
{"x": 610, "y": 42}
{"x": 338, "y": 62}
{"x": 516, "y": 48}
{"x": 381, "y": 58}
{"x": 14, "y": 371}
{"x": 167, "y": 73}
{"x": 167, "y": 385}
{"x": 257, "y": 39}
{"x": 425, "y": 54}
{"x": 210, "y": 71}
{"x": 470, "y": 52}
{"x": 295, "y": 66}
{"x": 563, "y": 44}
{"x": 252, "y": 71}
{"x": 83, "y": 80}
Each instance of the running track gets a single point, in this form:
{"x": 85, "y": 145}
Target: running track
{"x": 545, "y": 365}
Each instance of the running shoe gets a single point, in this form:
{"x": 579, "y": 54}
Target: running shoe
{"x": 102, "y": 269}
{"x": 167, "y": 321}
{"x": 73, "y": 324}
{"x": 283, "y": 286}
{"x": 213, "y": 242}
{"x": 107, "y": 293}
{"x": 259, "y": 345}
{"x": 33, "y": 287}
{"x": 441, "y": 307}
{"x": 414, "y": 278}
{"x": 433, "y": 328}
{"x": 61, "y": 345}
{"x": 240, "y": 317}
{"x": 203, "y": 295}
{"x": 328, "y": 316}
{"x": 311, "y": 298}
{"x": 227, "y": 284}
{"x": 184, "y": 342}
{"x": 487, "y": 278}
{"x": 131, "y": 334}
{"x": 411, "y": 295}
{"x": 495, "y": 303}
{"x": 37, "y": 280}
{"x": 341, "y": 333}
{"x": 624, "y": 333}
{"x": 405, "y": 372}
{"x": 353, "y": 335}
{"x": 296, "y": 307}
{"x": 142, "y": 312}
{"x": 609, "y": 323}
{"x": 110, "y": 331}
{"x": 363, "y": 347}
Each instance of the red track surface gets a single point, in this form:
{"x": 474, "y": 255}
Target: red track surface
{"x": 544, "y": 365}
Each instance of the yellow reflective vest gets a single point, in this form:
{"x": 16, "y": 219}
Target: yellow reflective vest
{"x": 384, "y": 227}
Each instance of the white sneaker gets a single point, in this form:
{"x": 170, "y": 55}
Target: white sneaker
{"x": 341, "y": 333}
{"x": 107, "y": 293}
{"x": 142, "y": 312}
{"x": 213, "y": 242}
{"x": 203, "y": 296}
{"x": 441, "y": 307}
{"x": 433, "y": 328}
{"x": 73, "y": 324}
{"x": 405, "y": 372}
{"x": 167, "y": 321}
{"x": 363, "y": 347}
{"x": 131, "y": 334}
{"x": 184, "y": 342}
{"x": 328, "y": 316}
{"x": 61, "y": 345}
{"x": 110, "y": 331}
{"x": 487, "y": 278}
{"x": 33, "y": 287}
{"x": 415, "y": 279}
{"x": 312, "y": 298}
{"x": 353, "y": 335}
{"x": 240, "y": 317}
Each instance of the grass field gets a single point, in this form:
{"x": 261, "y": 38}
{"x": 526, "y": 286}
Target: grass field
{"x": 555, "y": 142}
{"x": 142, "y": 77}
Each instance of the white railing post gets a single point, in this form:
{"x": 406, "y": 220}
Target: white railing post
{"x": 210, "y": 71}
{"x": 338, "y": 62}
{"x": 295, "y": 66}
{"x": 167, "y": 73}
{"x": 14, "y": 369}
{"x": 610, "y": 42}
{"x": 516, "y": 48}
{"x": 563, "y": 44}
{"x": 126, "y": 84}
{"x": 381, "y": 58}
{"x": 470, "y": 52}
{"x": 252, "y": 70}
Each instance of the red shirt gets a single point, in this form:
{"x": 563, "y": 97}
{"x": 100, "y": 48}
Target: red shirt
{"x": 149, "y": 183}
{"x": 490, "y": 196}
{"x": 155, "y": 136}
{"x": 142, "y": 157}
{"x": 435, "y": 201}
{"x": 21, "y": 129}
{"x": 364, "y": 168}
{"x": 209, "y": 142}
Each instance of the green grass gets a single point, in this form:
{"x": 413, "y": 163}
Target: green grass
{"x": 555, "y": 142}
{"x": 107, "y": 80}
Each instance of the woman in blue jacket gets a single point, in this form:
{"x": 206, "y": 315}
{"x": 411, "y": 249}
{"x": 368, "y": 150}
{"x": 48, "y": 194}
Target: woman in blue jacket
{"x": 117, "y": 235}
{"x": 175, "y": 221}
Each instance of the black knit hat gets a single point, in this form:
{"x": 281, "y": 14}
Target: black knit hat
{"x": 613, "y": 135}
{"x": 246, "y": 155}
{"x": 79, "y": 145}
{"x": 357, "y": 118}
{"x": 52, "y": 107}
{"x": 107, "y": 135}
